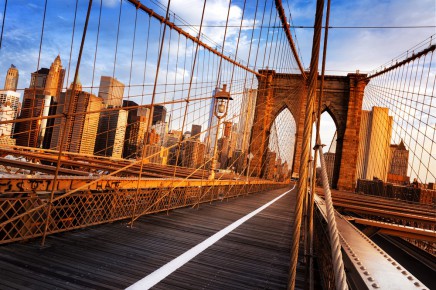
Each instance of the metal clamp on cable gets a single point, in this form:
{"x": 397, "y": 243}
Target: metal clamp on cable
{"x": 316, "y": 147}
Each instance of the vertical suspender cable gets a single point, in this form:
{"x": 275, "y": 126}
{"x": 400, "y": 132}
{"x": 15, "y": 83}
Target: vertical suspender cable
{"x": 150, "y": 119}
{"x": 188, "y": 98}
{"x": 3, "y": 23}
{"x": 317, "y": 142}
{"x": 67, "y": 123}
{"x": 303, "y": 172}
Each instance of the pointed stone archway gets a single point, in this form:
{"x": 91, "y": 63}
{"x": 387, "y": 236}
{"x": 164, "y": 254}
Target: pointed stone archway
{"x": 342, "y": 99}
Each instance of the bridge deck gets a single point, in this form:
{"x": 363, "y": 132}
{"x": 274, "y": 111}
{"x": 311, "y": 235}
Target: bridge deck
{"x": 253, "y": 256}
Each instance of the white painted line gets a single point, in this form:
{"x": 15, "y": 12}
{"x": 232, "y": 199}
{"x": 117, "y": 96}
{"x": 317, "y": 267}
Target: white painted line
{"x": 164, "y": 271}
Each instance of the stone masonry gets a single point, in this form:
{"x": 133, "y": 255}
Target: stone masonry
{"x": 342, "y": 100}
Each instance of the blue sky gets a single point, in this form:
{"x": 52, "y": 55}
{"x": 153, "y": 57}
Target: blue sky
{"x": 348, "y": 50}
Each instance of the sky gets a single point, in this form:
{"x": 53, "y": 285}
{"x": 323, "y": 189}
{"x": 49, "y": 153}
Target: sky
{"x": 349, "y": 49}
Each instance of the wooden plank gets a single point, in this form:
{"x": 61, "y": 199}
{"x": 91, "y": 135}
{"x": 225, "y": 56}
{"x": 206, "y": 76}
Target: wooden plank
{"x": 255, "y": 255}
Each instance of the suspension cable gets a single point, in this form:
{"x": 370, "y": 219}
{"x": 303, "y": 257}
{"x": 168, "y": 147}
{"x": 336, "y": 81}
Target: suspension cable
{"x": 68, "y": 121}
{"x": 303, "y": 172}
{"x": 285, "y": 24}
{"x": 317, "y": 142}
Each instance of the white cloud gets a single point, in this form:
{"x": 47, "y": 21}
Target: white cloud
{"x": 215, "y": 17}
{"x": 111, "y": 3}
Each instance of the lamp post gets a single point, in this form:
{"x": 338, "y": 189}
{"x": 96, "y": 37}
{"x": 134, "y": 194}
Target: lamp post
{"x": 221, "y": 104}
{"x": 249, "y": 157}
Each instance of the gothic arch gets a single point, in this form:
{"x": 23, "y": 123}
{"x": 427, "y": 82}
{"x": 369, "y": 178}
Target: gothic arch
{"x": 343, "y": 101}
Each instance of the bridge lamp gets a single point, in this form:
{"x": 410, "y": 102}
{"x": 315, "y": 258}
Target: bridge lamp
{"x": 221, "y": 105}
{"x": 221, "y": 99}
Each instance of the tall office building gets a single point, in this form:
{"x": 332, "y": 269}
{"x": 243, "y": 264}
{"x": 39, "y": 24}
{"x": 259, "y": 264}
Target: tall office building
{"x": 159, "y": 114}
{"x": 330, "y": 165}
{"x": 270, "y": 165}
{"x": 82, "y": 132}
{"x": 227, "y": 128}
{"x": 223, "y": 152}
{"x": 11, "y": 81}
{"x": 13, "y": 98}
{"x": 55, "y": 78}
{"x": 196, "y": 131}
{"x": 137, "y": 122}
{"x": 227, "y": 145}
{"x": 374, "y": 144}
{"x": 111, "y": 91}
{"x": 111, "y": 133}
{"x": 161, "y": 128}
{"x": 193, "y": 154}
{"x": 246, "y": 119}
{"x": 233, "y": 141}
{"x": 239, "y": 161}
{"x": 212, "y": 127}
{"x": 171, "y": 140}
{"x": 6, "y": 114}
{"x": 156, "y": 154}
{"x": 398, "y": 163}
{"x": 284, "y": 171}
{"x": 40, "y": 100}
{"x": 153, "y": 138}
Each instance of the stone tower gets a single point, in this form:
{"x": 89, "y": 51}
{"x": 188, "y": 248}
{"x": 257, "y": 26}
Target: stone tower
{"x": 11, "y": 81}
{"x": 40, "y": 100}
{"x": 55, "y": 79}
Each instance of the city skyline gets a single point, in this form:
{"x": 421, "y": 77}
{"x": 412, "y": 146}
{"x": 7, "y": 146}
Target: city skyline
{"x": 51, "y": 86}
{"x": 103, "y": 133}
{"x": 132, "y": 66}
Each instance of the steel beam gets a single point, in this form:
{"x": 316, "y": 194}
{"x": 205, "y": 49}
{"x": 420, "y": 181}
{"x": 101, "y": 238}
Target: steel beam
{"x": 40, "y": 167}
{"x": 399, "y": 230}
{"x": 368, "y": 266}
{"x": 409, "y": 59}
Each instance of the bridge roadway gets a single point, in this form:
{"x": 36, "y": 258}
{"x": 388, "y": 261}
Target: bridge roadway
{"x": 255, "y": 255}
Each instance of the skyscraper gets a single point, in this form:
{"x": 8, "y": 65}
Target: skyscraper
{"x": 270, "y": 165}
{"x": 374, "y": 144}
{"x": 223, "y": 152}
{"x": 233, "y": 140}
{"x": 13, "y": 98}
{"x": 171, "y": 140}
{"x": 55, "y": 78}
{"x": 239, "y": 161}
{"x": 212, "y": 126}
{"x": 111, "y": 133}
{"x": 246, "y": 118}
{"x": 193, "y": 154}
{"x": 156, "y": 154}
{"x": 161, "y": 128}
{"x": 11, "y": 81}
{"x": 137, "y": 122}
{"x": 227, "y": 128}
{"x": 6, "y": 114}
{"x": 329, "y": 159}
{"x": 196, "y": 131}
{"x": 159, "y": 114}
{"x": 398, "y": 163}
{"x": 40, "y": 100}
{"x": 111, "y": 91}
{"x": 82, "y": 131}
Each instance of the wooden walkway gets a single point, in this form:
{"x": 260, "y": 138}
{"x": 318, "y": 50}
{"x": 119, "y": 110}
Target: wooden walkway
{"x": 253, "y": 256}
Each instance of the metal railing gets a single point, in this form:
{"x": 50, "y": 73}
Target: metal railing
{"x": 23, "y": 215}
